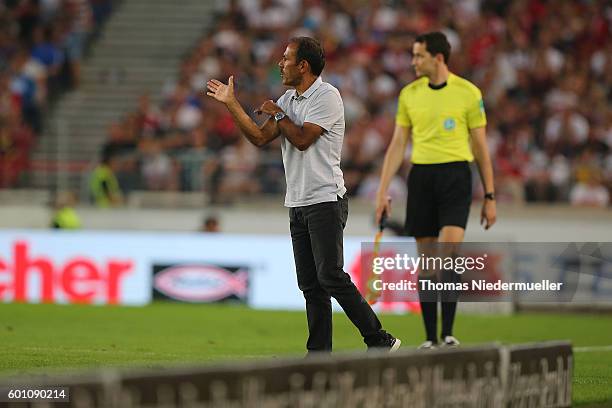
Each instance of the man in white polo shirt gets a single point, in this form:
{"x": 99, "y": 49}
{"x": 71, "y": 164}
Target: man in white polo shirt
{"x": 310, "y": 120}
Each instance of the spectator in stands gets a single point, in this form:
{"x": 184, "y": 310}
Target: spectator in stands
{"x": 81, "y": 24}
{"x": 159, "y": 171}
{"x": 16, "y": 139}
{"x": 591, "y": 193}
{"x": 103, "y": 185}
{"x": 100, "y": 10}
{"x": 545, "y": 69}
{"x": 65, "y": 216}
{"x": 119, "y": 141}
{"x": 27, "y": 87}
{"x": 36, "y": 38}
{"x": 211, "y": 224}
{"x": 46, "y": 52}
{"x": 239, "y": 164}
{"x": 147, "y": 117}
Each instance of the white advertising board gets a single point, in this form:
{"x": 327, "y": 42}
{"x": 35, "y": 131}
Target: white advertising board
{"x": 117, "y": 267}
{"x": 133, "y": 268}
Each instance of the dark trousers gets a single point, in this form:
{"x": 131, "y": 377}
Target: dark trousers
{"x": 316, "y": 234}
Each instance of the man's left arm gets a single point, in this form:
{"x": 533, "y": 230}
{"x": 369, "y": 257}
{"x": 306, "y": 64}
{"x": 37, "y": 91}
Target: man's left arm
{"x": 301, "y": 137}
{"x": 480, "y": 150}
{"x": 324, "y": 112}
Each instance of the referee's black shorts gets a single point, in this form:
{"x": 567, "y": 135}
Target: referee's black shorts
{"x": 439, "y": 195}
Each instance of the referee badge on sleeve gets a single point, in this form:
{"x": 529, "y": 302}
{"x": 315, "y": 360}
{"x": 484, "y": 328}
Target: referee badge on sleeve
{"x": 481, "y": 105}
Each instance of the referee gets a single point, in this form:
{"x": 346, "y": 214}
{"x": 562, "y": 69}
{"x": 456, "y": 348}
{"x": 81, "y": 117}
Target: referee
{"x": 444, "y": 116}
{"x": 310, "y": 121}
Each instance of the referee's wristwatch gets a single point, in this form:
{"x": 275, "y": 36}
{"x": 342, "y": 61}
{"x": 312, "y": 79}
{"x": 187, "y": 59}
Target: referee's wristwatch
{"x": 278, "y": 116}
{"x": 489, "y": 196}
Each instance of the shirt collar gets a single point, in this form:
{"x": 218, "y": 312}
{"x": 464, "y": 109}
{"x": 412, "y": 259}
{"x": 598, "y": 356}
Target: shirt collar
{"x": 315, "y": 85}
{"x": 449, "y": 80}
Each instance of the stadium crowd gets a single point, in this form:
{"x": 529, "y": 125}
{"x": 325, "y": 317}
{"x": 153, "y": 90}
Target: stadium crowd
{"x": 544, "y": 67}
{"x": 41, "y": 46}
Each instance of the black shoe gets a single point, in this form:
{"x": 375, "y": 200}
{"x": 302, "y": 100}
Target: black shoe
{"x": 317, "y": 353}
{"x": 388, "y": 342}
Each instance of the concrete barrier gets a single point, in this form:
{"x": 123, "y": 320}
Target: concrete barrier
{"x": 531, "y": 375}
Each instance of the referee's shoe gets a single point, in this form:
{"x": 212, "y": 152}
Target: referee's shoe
{"x": 450, "y": 341}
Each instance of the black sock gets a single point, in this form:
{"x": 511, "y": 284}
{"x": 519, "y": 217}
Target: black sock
{"x": 448, "y": 318}
{"x": 429, "y": 308}
{"x": 449, "y": 299}
{"x": 430, "y": 319}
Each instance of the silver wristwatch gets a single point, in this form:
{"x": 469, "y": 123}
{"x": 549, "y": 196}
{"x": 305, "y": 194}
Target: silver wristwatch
{"x": 279, "y": 116}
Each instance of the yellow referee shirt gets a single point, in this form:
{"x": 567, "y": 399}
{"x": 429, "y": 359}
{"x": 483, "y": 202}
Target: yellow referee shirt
{"x": 440, "y": 119}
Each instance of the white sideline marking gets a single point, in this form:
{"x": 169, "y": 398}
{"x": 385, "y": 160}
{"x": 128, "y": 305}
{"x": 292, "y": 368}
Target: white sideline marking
{"x": 111, "y": 350}
{"x": 107, "y": 350}
{"x": 590, "y": 349}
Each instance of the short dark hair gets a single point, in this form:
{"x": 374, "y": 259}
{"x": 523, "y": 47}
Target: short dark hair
{"x": 436, "y": 43}
{"x": 309, "y": 50}
{"x": 211, "y": 219}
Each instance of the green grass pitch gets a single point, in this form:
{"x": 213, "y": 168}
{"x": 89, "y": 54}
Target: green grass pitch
{"x": 45, "y": 338}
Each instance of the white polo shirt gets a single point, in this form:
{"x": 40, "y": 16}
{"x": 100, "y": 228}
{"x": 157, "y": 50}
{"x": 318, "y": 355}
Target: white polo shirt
{"x": 313, "y": 175}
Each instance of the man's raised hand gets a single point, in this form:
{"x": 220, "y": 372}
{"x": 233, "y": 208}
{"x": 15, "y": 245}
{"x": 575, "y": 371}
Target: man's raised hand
{"x": 220, "y": 91}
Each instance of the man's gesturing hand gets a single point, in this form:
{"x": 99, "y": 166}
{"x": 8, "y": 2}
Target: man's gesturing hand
{"x": 269, "y": 108}
{"x": 220, "y": 91}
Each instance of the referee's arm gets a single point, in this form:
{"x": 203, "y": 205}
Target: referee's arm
{"x": 480, "y": 150}
{"x": 393, "y": 160}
